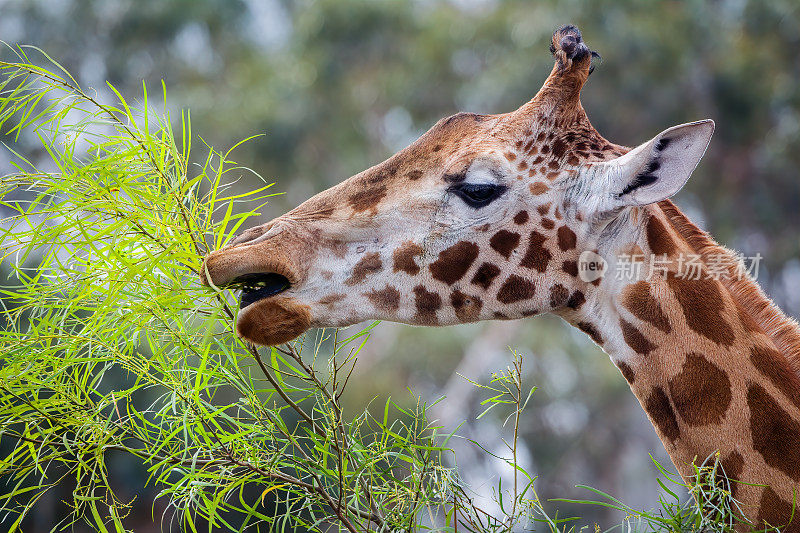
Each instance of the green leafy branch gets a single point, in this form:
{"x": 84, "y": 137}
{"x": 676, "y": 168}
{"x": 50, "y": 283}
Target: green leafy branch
{"x": 111, "y": 344}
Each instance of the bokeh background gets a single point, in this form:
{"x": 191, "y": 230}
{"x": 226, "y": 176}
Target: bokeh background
{"x": 339, "y": 85}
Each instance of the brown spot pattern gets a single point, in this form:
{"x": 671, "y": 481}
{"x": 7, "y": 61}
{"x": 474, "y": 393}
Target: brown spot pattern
{"x": 504, "y": 242}
{"x": 537, "y": 257}
{"x": 590, "y": 330}
{"x": 627, "y": 371}
{"x": 544, "y": 209}
{"x": 701, "y": 391}
{"x": 570, "y": 267}
{"x": 775, "y": 367}
{"x": 774, "y": 511}
{"x": 558, "y": 295}
{"x": 658, "y": 238}
{"x": 701, "y": 300}
{"x": 427, "y": 304}
{"x": 661, "y": 413}
{"x": 732, "y": 467}
{"x": 468, "y": 308}
{"x": 414, "y": 175}
{"x": 566, "y": 238}
{"x": 367, "y": 198}
{"x": 776, "y": 435}
{"x": 485, "y": 275}
{"x": 576, "y": 300}
{"x": 521, "y": 217}
{"x": 559, "y": 148}
{"x": 403, "y": 258}
{"x": 548, "y": 224}
{"x": 339, "y": 248}
{"x": 387, "y": 299}
{"x": 454, "y": 262}
{"x": 634, "y": 338}
{"x": 516, "y": 289}
{"x": 369, "y": 264}
{"x": 331, "y": 299}
{"x": 538, "y": 188}
{"x": 638, "y": 300}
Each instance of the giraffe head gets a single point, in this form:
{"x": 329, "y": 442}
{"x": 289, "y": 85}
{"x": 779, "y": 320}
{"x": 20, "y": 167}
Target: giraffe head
{"x": 483, "y": 217}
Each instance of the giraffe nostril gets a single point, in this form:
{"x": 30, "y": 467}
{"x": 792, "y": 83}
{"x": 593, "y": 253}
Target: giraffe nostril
{"x": 247, "y": 236}
{"x": 251, "y": 234}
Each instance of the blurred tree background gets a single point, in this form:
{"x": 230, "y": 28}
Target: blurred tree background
{"x": 339, "y": 85}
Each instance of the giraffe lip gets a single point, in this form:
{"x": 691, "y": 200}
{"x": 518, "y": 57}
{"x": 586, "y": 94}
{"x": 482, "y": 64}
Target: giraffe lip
{"x": 259, "y": 285}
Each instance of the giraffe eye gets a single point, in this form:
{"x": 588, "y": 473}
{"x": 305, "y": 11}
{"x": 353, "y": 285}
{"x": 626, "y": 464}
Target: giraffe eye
{"x": 478, "y": 195}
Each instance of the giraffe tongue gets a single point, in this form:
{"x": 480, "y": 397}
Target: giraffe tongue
{"x": 259, "y": 286}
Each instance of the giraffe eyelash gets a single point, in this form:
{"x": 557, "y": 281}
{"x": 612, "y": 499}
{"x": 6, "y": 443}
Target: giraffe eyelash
{"x": 477, "y": 195}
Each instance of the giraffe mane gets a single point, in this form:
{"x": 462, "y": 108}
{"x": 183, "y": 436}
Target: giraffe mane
{"x": 783, "y": 330}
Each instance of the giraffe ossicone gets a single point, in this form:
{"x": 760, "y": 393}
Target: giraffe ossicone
{"x": 512, "y": 215}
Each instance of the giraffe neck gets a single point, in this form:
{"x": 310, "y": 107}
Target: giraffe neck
{"x": 712, "y": 361}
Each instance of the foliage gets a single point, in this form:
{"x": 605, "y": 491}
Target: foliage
{"x": 711, "y": 506}
{"x": 105, "y": 250}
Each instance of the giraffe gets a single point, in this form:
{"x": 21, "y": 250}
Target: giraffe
{"x": 505, "y": 216}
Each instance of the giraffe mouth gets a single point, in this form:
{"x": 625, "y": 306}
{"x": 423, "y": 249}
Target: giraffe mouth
{"x": 258, "y": 286}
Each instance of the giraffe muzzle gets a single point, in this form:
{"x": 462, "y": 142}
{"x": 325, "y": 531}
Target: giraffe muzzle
{"x": 267, "y": 316}
{"x": 266, "y": 280}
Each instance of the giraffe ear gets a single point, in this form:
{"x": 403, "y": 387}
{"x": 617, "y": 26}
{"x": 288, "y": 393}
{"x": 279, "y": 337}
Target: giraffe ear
{"x": 657, "y": 169}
